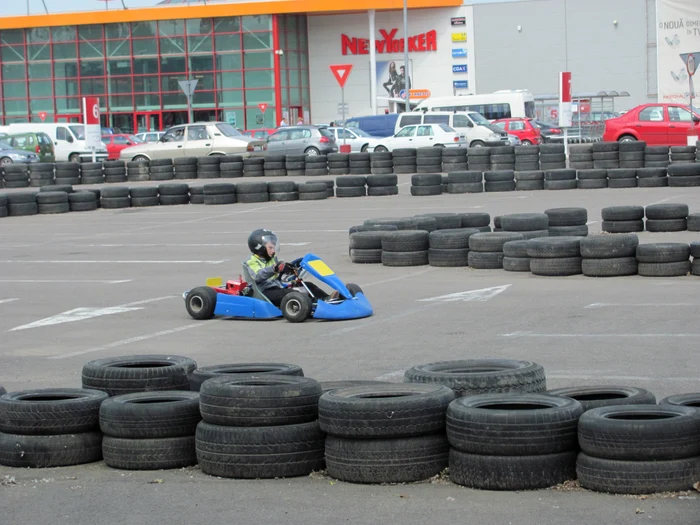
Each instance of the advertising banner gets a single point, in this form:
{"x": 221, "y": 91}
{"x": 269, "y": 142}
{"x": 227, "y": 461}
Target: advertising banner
{"x": 678, "y": 36}
{"x": 391, "y": 77}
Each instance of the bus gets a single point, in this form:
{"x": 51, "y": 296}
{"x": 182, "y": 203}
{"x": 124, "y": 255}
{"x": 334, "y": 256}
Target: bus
{"x": 516, "y": 103}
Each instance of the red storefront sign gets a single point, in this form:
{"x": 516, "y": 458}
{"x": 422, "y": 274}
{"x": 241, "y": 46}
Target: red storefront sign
{"x": 389, "y": 43}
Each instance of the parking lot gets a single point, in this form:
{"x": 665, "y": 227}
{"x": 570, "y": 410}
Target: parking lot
{"x": 77, "y": 287}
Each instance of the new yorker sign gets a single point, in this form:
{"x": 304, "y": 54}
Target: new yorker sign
{"x": 389, "y": 43}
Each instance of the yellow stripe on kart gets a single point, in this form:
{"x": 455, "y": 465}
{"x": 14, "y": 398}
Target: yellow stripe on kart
{"x": 215, "y": 281}
{"x": 321, "y": 268}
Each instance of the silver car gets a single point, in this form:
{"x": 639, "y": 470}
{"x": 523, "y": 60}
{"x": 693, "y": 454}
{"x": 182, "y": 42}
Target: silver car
{"x": 302, "y": 140}
{"x": 151, "y": 136}
{"x": 196, "y": 140}
{"x": 10, "y": 155}
{"x": 357, "y": 139}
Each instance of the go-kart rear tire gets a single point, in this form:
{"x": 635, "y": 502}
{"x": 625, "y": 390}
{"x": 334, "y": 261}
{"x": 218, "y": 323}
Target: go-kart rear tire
{"x": 354, "y": 289}
{"x": 296, "y": 307}
{"x": 200, "y": 303}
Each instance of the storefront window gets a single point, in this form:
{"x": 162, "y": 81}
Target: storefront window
{"x": 147, "y": 101}
{"x": 143, "y": 29}
{"x": 255, "y": 119}
{"x": 203, "y": 98}
{"x": 228, "y": 42}
{"x": 257, "y": 23}
{"x": 229, "y": 80}
{"x": 146, "y": 84}
{"x": 174, "y": 101}
{"x": 121, "y": 103}
{"x": 92, "y": 50}
{"x": 16, "y": 108}
{"x": 65, "y": 87}
{"x": 118, "y": 48}
{"x": 227, "y": 25}
{"x": 39, "y": 70}
{"x": 172, "y": 64}
{"x": 92, "y": 68}
{"x": 65, "y": 51}
{"x": 258, "y": 79}
{"x": 172, "y": 46}
{"x": 119, "y": 67}
{"x": 258, "y": 60}
{"x": 92, "y": 86}
{"x": 67, "y": 105}
{"x": 171, "y": 27}
{"x": 229, "y": 61}
{"x": 90, "y": 33}
{"x": 39, "y": 52}
{"x": 13, "y": 53}
{"x": 40, "y": 89}
{"x": 13, "y": 72}
{"x": 257, "y": 96}
{"x": 65, "y": 69}
{"x": 145, "y": 47}
{"x": 63, "y": 34}
{"x": 12, "y": 36}
{"x": 41, "y": 104}
{"x": 145, "y": 66}
{"x": 117, "y": 31}
{"x": 201, "y": 63}
{"x": 257, "y": 41}
{"x": 232, "y": 97}
{"x": 14, "y": 89}
{"x": 199, "y": 26}
{"x": 120, "y": 85}
{"x": 199, "y": 44}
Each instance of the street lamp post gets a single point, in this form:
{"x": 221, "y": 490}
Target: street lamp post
{"x": 405, "y": 55}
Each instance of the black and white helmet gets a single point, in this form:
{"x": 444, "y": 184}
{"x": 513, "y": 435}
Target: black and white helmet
{"x": 259, "y": 240}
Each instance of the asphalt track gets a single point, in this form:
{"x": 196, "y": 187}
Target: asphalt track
{"x": 81, "y": 286}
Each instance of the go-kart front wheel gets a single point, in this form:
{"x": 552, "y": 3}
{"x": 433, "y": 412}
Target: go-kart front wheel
{"x": 296, "y": 307}
{"x": 354, "y": 289}
{"x": 200, "y": 303}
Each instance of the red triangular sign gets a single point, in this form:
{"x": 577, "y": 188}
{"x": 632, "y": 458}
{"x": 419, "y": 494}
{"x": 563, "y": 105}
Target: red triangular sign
{"x": 262, "y": 107}
{"x": 43, "y": 115}
{"x": 341, "y": 72}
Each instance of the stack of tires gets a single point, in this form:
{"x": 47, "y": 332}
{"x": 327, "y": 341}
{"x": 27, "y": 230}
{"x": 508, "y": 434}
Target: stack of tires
{"x": 173, "y": 194}
{"x": 219, "y": 194}
{"x": 252, "y": 192}
{"x": 560, "y": 179}
{"x": 274, "y": 166}
{"x": 253, "y": 167}
{"x": 694, "y": 251}
{"x": 443, "y": 221}
{"x": 639, "y": 449}
{"x": 609, "y": 255}
{"x": 515, "y": 258}
{"x": 231, "y": 167}
{"x": 622, "y": 219}
{"x": 405, "y": 248}
{"x": 529, "y": 180}
{"x": 670, "y": 259}
{"x": 163, "y": 169}
{"x": 527, "y": 158}
{"x": 186, "y": 168}
{"x": 138, "y": 373}
{"x": 453, "y": 159}
{"x": 295, "y": 165}
{"x": 282, "y": 191}
{"x": 480, "y": 221}
{"x": 83, "y": 201}
{"x": 49, "y": 202}
{"x": 503, "y": 158}
{"x": 529, "y": 225}
{"x": 260, "y": 427}
{"x": 567, "y": 221}
{"x": 382, "y": 185}
{"x": 207, "y": 167}
{"x": 486, "y": 249}
{"x": 449, "y": 247}
{"x": 114, "y": 171}
{"x": 656, "y": 157}
{"x": 385, "y": 433}
{"x": 115, "y": 197}
{"x": 381, "y": 162}
{"x": 632, "y": 154}
{"x": 581, "y": 156}
{"x": 479, "y": 159}
{"x": 404, "y": 160}
{"x": 140, "y": 171}
{"x": 312, "y": 191}
{"x": 503, "y": 180}
{"x": 150, "y": 430}
{"x": 360, "y": 163}
{"x": 366, "y": 247}
{"x": 555, "y": 256}
{"x": 143, "y": 196}
{"x": 238, "y": 370}
{"x": 552, "y": 157}
{"x": 196, "y": 194}
{"x": 16, "y": 175}
{"x": 606, "y": 155}
{"x": 667, "y": 217}
{"x": 589, "y": 179}
{"x": 465, "y": 182}
{"x": 90, "y": 172}
{"x": 683, "y": 175}
{"x": 693, "y": 222}
{"x": 351, "y": 186}
{"x": 429, "y": 160}
{"x": 426, "y": 184}
{"x": 652, "y": 177}
{"x": 338, "y": 163}
{"x": 51, "y": 427}
{"x": 683, "y": 154}
{"x": 316, "y": 165}
{"x": 41, "y": 174}
{"x": 513, "y": 441}
{"x": 3, "y": 213}
{"x": 622, "y": 178}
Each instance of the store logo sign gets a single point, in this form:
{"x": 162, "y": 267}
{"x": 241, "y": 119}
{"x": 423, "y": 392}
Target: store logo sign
{"x": 459, "y": 68}
{"x": 458, "y": 21}
{"x": 389, "y": 43}
{"x": 459, "y": 37}
{"x": 460, "y": 84}
{"x": 459, "y": 53}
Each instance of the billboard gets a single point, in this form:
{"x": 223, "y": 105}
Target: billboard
{"x": 391, "y": 77}
{"x": 677, "y": 33}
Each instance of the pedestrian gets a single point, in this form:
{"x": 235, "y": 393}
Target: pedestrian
{"x": 300, "y": 121}
{"x": 283, "y": 123}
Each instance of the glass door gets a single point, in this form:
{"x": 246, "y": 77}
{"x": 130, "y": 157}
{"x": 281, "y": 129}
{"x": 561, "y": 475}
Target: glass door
{"x": 148, "y": 122}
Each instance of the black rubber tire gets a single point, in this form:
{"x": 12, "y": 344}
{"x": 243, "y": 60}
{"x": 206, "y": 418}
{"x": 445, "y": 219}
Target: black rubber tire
{"x": 382, "y": 180}
{"x": 173, "y": 200}
{"x": 400, "y": 259}
{"x": 667, "y": 225}
{"x": 425, "y": 191}
{"x": 567, "y": 231}
{"x": 499, "y": 186}
{"x": 259, "y": 401}
{"x": 149, "y": 454}
{"x": 622, "y": 226}
{"x": 610, "y": 267}
{"x": 63, "y": 207}
{"x": 138, "y": 373}
{"x": 115, "y": 192}
{"x": 663, "y": 252}
{"x": 554, "y": 247}
{"x": 451, "y": 239}
{"x": 350, "y": 192}
{"x": 443, "y": 221}
{"x": 401, "y": 460}
{"x": 654, "y": 182}
{"x": 448, "y": 257}
{"x": 143, "y": 191}
{"x": 351, "y": 181}
{"x": 465, "y": 187}
{"x": 57, "y": 450}
{"x": 296, "y": 307}
{"x": 622, "y": 183}
{"x": 29, "y": 208}
{"x": 622, "y": 213}
{"x": 115, "y": 202}
{"x": 51, "y": 197}
{"x": 591, "y": 174}
{"x": 524, "y": 222}
{"x": 511, "y": 472}
{"x": 674, "y": 269}
{"x": 150, "y": 415}
{"x": 607, "y": 246}
{"x": 491, "y": 241}
{"x": 313, "y": 196}
{"x": 683, "y": 182}
{"x": 260, "y": 452}
{"x": 50, "y": 411}
{"x": 229, "y": 198}
{"x": 499, "y": 176}
{"x": 236, "y": 370}
{"x": 694, "y": 222}
{"x": 284, "y": 196}
{"x": 405, "y": 241}
{"x": 558, "y": 175}
{"x": 464, "y": 177}
{"x": 485, "y": 260}
{"x": 666, "y": 211}
{"x": 83, "y": 206}
{"x": 139, "y": 202}
{"x": 82, "y": 196}
{"x": 201, "y": 302}
{"x": 687, "y": 400}
{"x": 382, "y": 191}
{"x": 592, "y": 397}
{"x": 516, "y": 249}
{"x": 173, "y": 189}
{"x": 591, "y": 184}
{"x": 248, "y": 198}
{"x": 370, "y": 256}
{"x": 361, "y": 411}
{"x": 567, "y": 216}
{"x": 516, "y": 264}
{"x": 556, "y": 267}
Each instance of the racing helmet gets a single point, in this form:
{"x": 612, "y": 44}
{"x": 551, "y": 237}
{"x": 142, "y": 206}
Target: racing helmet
{"x": 258, "y": 241}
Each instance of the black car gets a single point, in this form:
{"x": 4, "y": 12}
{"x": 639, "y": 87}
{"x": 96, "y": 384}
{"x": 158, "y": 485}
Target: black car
{"x": 549, "y": 133}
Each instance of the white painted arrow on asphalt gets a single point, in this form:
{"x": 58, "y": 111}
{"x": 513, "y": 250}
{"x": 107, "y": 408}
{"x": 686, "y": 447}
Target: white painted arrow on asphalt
{"x": 78, "y": 314}
{"x": 484, "y": 294}
{"x": 8, "y": 300}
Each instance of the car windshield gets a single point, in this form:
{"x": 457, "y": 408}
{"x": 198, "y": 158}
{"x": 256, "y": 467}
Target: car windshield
{"x": 479, "y": 119}
{"x": 136, "y": 140}
{"x": 78, "y": 131}
{"x": 228, "y": 130}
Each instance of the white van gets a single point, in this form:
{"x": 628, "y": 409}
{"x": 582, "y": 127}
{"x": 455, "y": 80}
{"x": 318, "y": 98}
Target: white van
{"x": 68, "y": 140}
{"x": 474, "y": 126}
{"x": 510, "y": 103}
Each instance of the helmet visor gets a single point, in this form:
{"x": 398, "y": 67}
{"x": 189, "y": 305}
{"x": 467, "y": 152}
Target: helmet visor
{"x": 269, "y": 241}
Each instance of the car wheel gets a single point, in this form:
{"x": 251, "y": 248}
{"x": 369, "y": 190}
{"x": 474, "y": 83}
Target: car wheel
{"x": 74, "y": 158}
{"x": 200, "y": 303}
{"x": 5, "y": 161}
{"x": 354, "y": 289}
{"x": 527, "y": 143}
{"x": 296, "y": 307}
{"x": 363, "y": 149}
{"x": 477, "y": 144}
{"x": 140, "y": 158}
{"x": 380, "y": 149}
{"x": 438, "y": 146}
{"x": 312, "y": 152}
{"x": 627, "y": 138}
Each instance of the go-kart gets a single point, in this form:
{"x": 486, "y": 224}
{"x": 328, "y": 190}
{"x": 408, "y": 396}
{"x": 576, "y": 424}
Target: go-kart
{"x": 242, "y": 298}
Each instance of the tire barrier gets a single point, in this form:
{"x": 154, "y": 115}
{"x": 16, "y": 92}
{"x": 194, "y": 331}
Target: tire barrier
{"x": 666, "y": 217}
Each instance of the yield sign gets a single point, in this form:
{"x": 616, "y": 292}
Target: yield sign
{"x": 262, "y": 107}
{"x": 692, "y": 61}
{"x": 341, "y": 72}
{"x": 43, "y": 115}
{"x": 188, "y": 86}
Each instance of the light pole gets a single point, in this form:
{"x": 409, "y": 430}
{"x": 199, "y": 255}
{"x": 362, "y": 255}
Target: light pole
{"x": 405, "y": 54}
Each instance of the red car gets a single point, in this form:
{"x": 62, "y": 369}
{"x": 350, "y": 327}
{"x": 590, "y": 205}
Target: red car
{"x": 523, "y": 128}
{"x": 116, "y": 143}
{"x": 655, "y": 124}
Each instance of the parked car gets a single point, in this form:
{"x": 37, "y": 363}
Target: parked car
{"x": 422, "y": 136}
{"x": 548, "y": 132}
{"x": 150, "y": 136}
{"x": 522, "y": 128}
{"x": 357, "y": 139}
{"x": 111, "y": 131}
{"x": 655, "y": 124}
{"x": 10, "y": 155}
{"x": 68, "y": 139}
{"x": 302, "y": 140}
{"x": 375, "y": 125}
{"x": 259, "y": 133}
{"x": 196, "y": 140}
{"x": 116, "y": 143}
{"x": 39, "y": 143}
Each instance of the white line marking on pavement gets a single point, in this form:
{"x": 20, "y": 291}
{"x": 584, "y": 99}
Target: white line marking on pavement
{"x": 591, "y": 222}
{"x": 49, "y": 281}
{"x": 8, "y": 300}
{"x": 483, "y": 294}
{"x": 589, "y": 375}
{"x": 391, "y": 375}
{"x": 111, "y": 262}
{"x": 664, "y": 200}
{"x": 77, "y": 314}
{"x": 393, "y": 279}
{"x": 127, "y": 341}
{"x": 584, "y": 336}
{"x": 594, "y": 306}
{"x": 146, "y": 301}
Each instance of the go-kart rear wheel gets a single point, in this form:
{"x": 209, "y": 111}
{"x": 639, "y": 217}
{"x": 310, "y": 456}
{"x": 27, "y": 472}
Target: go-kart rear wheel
{"x": 296, "y": 307}
{"x": 200, "y": 303}
{"x": 354, "y": 289}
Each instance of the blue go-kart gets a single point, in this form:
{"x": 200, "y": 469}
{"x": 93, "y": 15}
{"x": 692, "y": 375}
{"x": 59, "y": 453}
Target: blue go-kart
{"x": 242, "y": 298}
